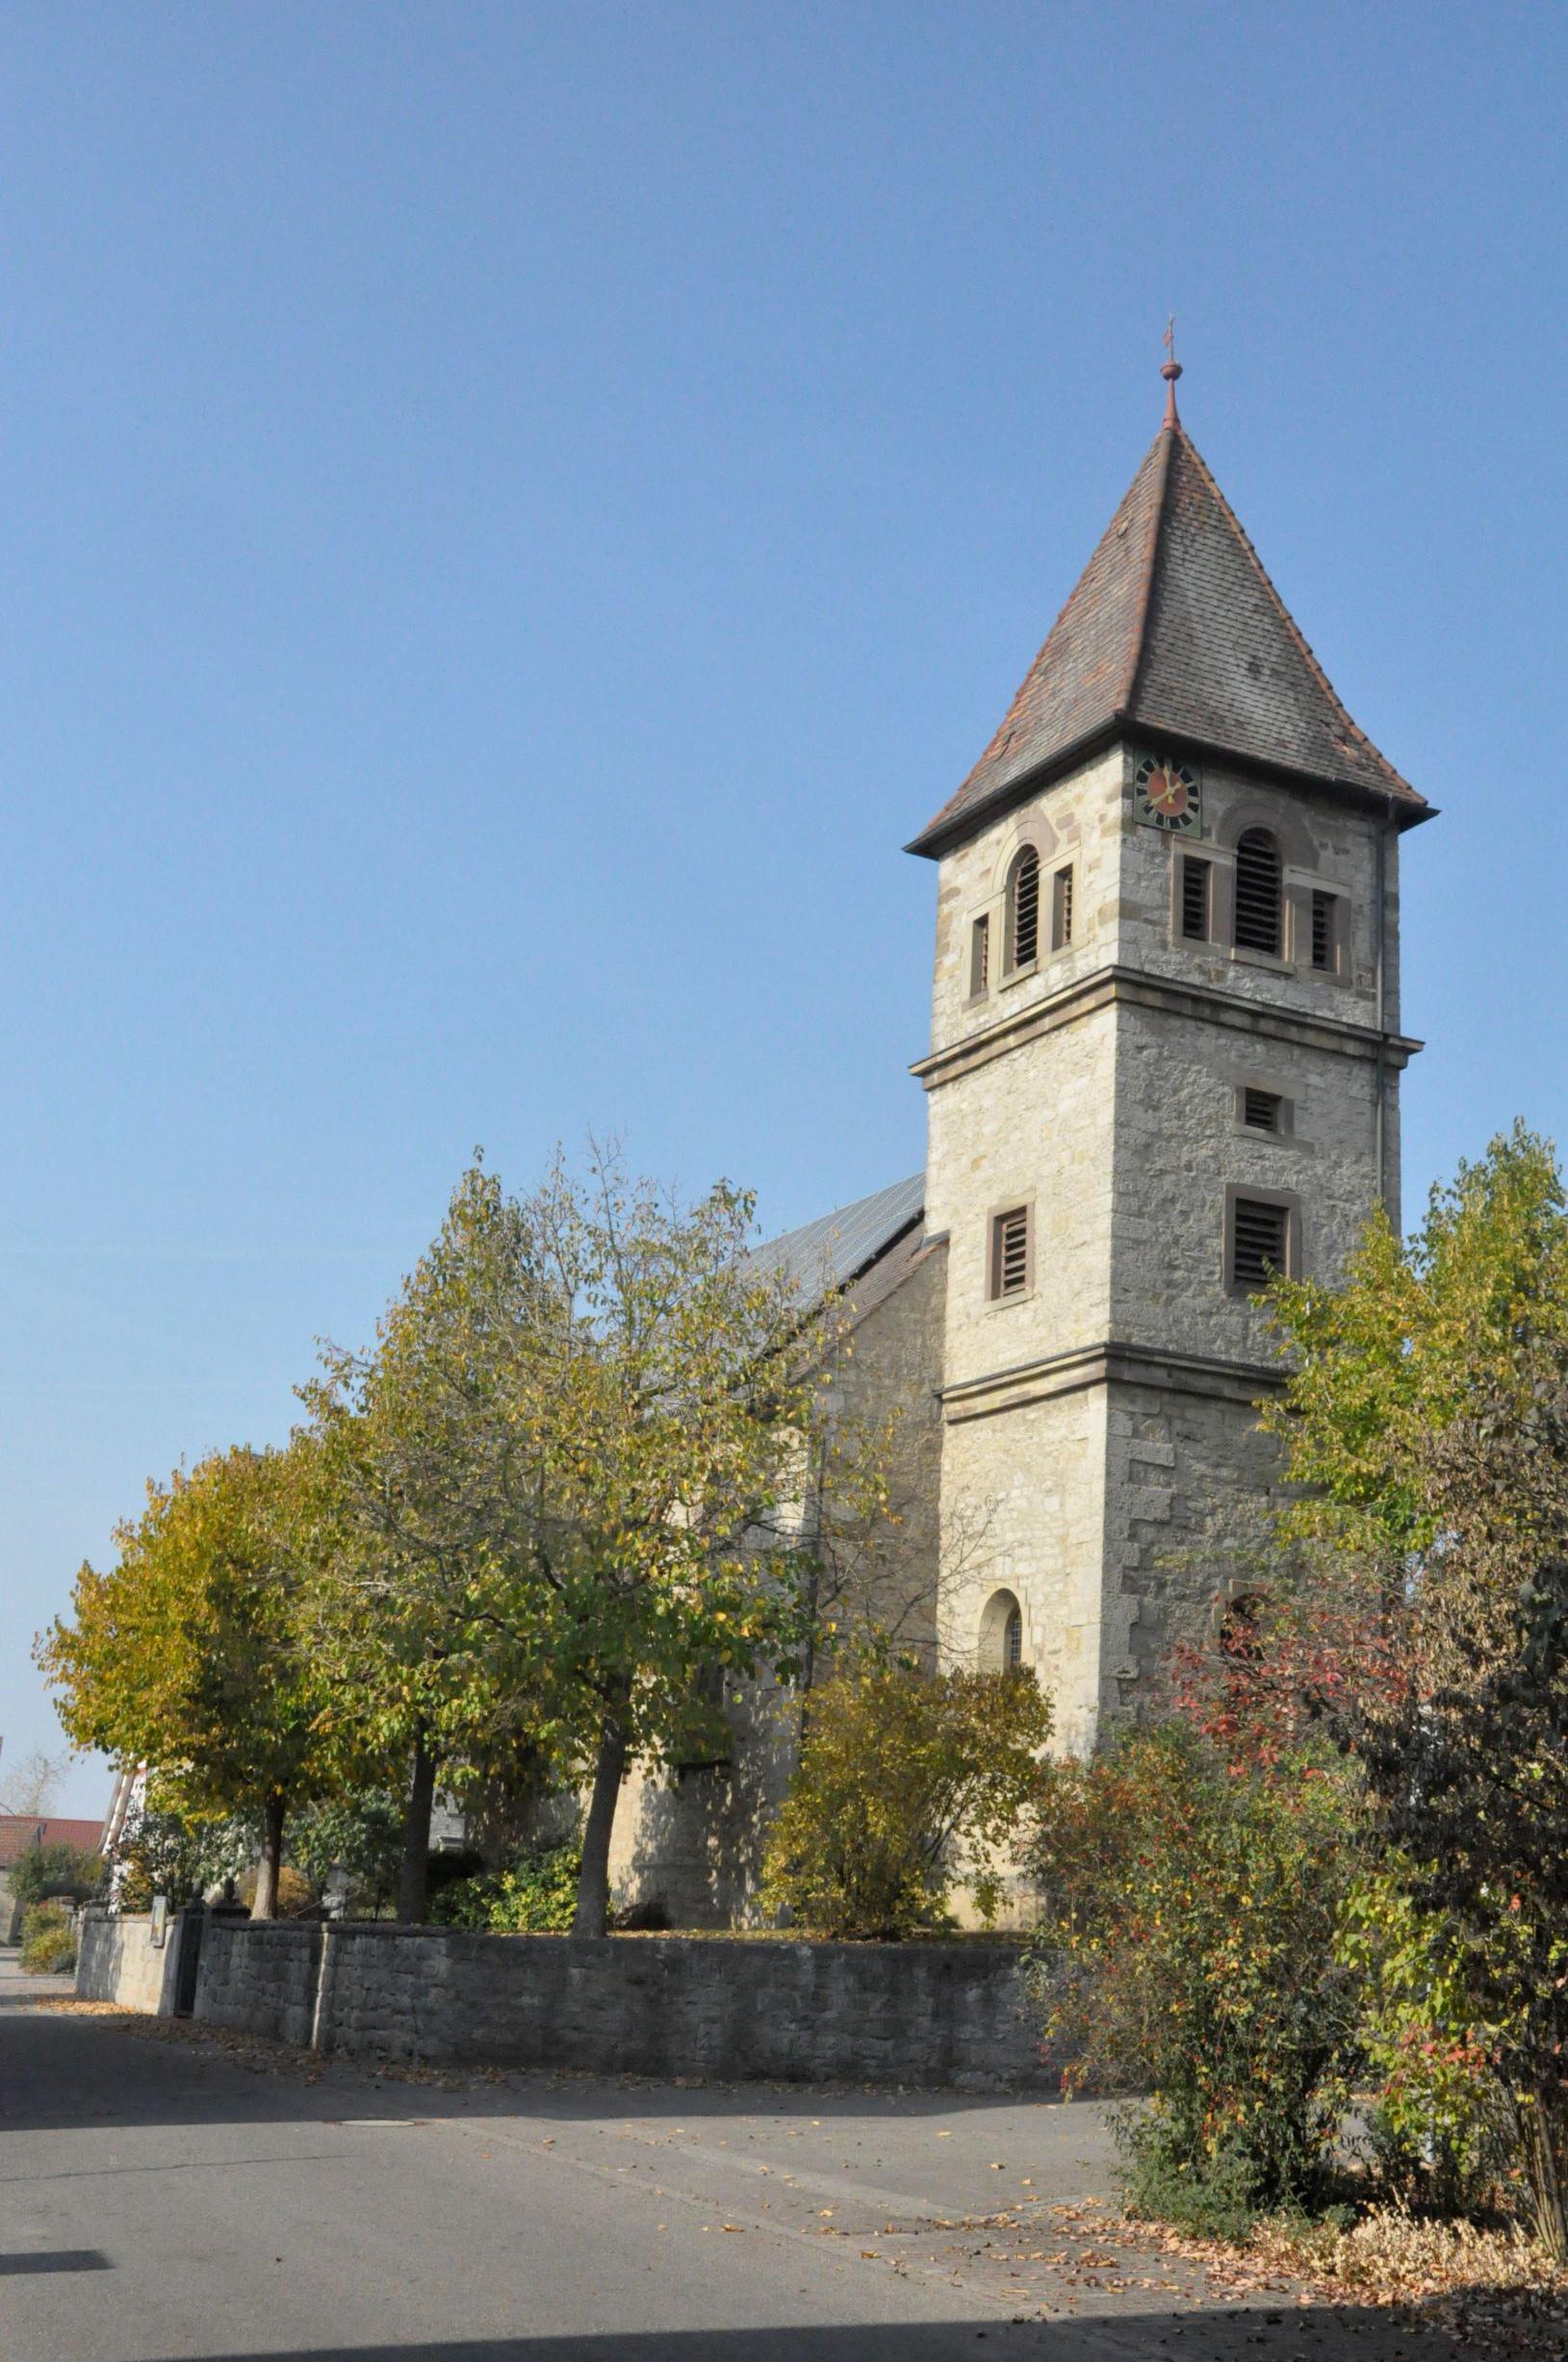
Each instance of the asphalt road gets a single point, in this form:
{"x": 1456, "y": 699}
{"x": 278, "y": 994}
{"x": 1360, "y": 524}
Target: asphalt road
{"x": 163, "y": 2198}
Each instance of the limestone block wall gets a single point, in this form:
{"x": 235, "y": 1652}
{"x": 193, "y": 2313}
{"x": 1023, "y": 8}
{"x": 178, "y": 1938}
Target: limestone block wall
{"x": 1024, "y": 1494}
{"x": 261, "y": 1977}
{"x": 893, "y": 1370}
{"x": 117, "y": 1961}
{"x": 1034, "y": 1126}
{"x": 1180, "y": 1143}
{"x": 1192, "y": 1488}
{"x": 941, "y": 2015}
{"x": 1077, "y": 819}
{"x": 1100, "y": 1430}
{"x": 1325, "y": 843}
{"x": 687, "y": 1842}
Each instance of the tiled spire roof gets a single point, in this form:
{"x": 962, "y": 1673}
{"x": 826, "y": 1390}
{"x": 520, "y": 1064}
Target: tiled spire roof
{"x": 1174, "y": 628}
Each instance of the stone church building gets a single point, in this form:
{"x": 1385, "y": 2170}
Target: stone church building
{"x": 1165, "y": 1059}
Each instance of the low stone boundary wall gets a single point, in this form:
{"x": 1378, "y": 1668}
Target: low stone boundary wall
{"x": 264, "y": 1978}
{"x": 117, "y": 1961}
{"x": 944, "y": 2015}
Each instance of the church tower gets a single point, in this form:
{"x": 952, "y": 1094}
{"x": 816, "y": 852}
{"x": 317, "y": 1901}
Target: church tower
{"x": 1165, "y": 1060}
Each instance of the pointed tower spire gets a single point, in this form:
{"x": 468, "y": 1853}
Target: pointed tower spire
{"x": 1170, "y": 370}
{"x": 1174, "y": 628}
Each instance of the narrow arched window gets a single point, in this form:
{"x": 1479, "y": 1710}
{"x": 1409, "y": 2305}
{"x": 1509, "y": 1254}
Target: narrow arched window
{"x": 1001, "y": 1633}
{"x": 1259, "y": 878}
{"x": 1024, "y": 908}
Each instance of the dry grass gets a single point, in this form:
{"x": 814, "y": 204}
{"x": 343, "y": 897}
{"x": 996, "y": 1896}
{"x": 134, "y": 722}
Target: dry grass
{"x": 1395, "y": 2258}
{"x": 1495, "y": 2289}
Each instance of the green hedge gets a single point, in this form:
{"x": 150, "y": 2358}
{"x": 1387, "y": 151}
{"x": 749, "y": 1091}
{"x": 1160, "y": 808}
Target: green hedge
{"x": 536, "y": 1896}
{"x": 48, "y": 1940}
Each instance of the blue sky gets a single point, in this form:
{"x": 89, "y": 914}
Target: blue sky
{"x": 513, "y": 516}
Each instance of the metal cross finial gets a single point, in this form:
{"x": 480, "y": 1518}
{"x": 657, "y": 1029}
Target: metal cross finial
{"x": 1170, "y": 370}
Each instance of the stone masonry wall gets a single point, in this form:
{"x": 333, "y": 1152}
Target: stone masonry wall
{"x": 1023, "y": 1493}
{"x": 117, "y": 1961}
{"x": 1101, "y": 1456}
{"x": 1180, "y": 1141}
{"x": 940, "y": 2016}
{"x": 261, "y": 1978}
{"x": 1192, "y": 1487}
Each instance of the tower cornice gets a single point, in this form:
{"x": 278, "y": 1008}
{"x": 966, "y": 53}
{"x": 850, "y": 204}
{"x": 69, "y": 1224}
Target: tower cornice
{"x": 1402, "y": 813}
{"x": 1137, "y": 987}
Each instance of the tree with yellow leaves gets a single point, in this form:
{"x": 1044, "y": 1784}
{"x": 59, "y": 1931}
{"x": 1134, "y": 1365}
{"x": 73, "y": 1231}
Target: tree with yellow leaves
{"x": 192, "y": 1653}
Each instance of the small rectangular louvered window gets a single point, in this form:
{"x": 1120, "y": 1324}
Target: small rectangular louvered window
{"x": 1062, "y": 909}
{"x": 979, "y": 957}
{"x": 1322, "y": 932}
{"x": 1194, "y": 899}
{"x": 1260, "y": 1110}
{"x": 1010, "y": 1253}
{"x": 1259, "y": 1240}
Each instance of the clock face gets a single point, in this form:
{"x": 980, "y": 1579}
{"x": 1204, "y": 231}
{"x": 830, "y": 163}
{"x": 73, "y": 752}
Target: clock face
{"x": 1167, "y": 794}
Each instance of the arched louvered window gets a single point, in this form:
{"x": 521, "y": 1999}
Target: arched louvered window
{"x": 1024, "y": 908}
{"x": 1259, "y": 880}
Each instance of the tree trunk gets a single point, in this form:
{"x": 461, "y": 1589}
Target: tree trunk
{"x": 265, "y": 1905}
{"x": 593, "y": 1885}
{"x": 414, "y": 1885}
{"x": 1546, "y": 2164}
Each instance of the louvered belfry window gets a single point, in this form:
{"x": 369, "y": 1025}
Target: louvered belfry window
{"x": 1260, "y": 1110}
{"x": 1023, "y": 908}
{"x": 1062, "y": 909}
{"x": 1259, "y": 1240}
{"x": 1258, "y": 881}
{"x": 1323, "y": 931}
{"x": 1194, "y": 898}
{"x": 979, "y": 957}
{"x": 1010, "y": 1253}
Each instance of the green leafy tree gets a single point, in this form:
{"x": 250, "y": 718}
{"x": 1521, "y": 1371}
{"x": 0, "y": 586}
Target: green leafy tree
{"x": 1187, "y": 1950}
{"x": 1427, "y": 1414}
{"x": 1414, "y": 1334}
{"x": 357, "y": 1836}
{"x": 907, "y": 1784}
{"x": 579, "y": 1453}
{"x": 415, "y": 1622}
{"x": 75, "y": 1873}
{"x": 190, "y": 1653}
{"x": 1441, "y": 2128}
{"x": 162, "y": 1853}
{"x": 1467, "y": 1763}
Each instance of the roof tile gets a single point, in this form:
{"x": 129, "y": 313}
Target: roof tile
{"x": 1175, "y": 627}
{"x": 19, "y": 1830}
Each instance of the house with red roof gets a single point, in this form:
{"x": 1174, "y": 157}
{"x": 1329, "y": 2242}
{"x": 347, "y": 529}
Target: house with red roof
{"x": 21, "y": 1832}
